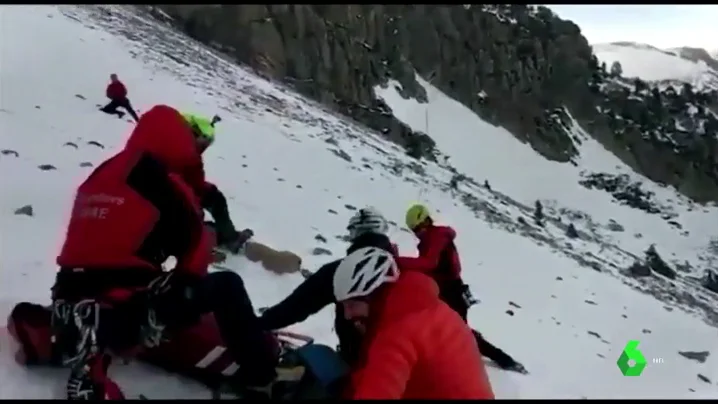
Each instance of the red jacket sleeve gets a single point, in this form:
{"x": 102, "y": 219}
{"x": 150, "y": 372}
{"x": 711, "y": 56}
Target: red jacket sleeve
{"x": 387, "y": 368}
{"x": 436, "y": 239}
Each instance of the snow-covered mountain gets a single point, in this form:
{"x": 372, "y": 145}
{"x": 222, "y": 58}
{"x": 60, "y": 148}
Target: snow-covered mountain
{"x": 696, "y": 55}
{"x": 680, "y": 65}
{"x": 556, "y": 288}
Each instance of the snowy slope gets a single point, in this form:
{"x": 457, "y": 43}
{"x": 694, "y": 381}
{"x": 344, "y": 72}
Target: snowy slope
{"x": 653, "y": 64}
{"x": 483, "y": 151}
{"x": 292, "y": 171}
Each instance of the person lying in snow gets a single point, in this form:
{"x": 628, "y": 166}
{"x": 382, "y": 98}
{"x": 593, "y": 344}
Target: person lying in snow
{"x": 367, "y": 228}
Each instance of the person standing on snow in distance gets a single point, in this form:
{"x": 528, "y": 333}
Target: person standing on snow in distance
{"x": 367, "y": 228}
{"x": 131, "y": 214}
{"x": 117, "y": 93}
{"x": 439, "y": 258}
{"x": 414, "y": 345}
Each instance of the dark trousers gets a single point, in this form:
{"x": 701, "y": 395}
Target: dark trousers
{"x": 452, "y": 294}
{"x": 224, "y": 295}
{"x": 214, "y": 201}
{"x": 492, "y": 352}
{"x": 111, "y": 108}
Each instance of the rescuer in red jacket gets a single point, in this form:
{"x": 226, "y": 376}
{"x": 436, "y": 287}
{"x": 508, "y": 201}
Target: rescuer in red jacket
{"x": 191, "y": 168}
{"x": 117, "y": 93}
{"x": 439, "y": 258}
{"x": 414, "y": 346}
{"x": 131, "y": 214}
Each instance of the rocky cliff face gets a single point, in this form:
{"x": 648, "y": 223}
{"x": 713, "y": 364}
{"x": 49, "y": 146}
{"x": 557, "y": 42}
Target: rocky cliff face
{"x": 520, "y": 67}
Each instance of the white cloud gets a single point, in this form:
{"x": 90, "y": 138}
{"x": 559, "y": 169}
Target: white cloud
{"x": 663, "y": 26}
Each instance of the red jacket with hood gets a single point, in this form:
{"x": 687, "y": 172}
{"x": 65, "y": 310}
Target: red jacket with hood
{"x": 139, "y": 206}
{"x": 180, "y": 157}
{"x": 416, "y": 347}
{"x": 438, "y": 256}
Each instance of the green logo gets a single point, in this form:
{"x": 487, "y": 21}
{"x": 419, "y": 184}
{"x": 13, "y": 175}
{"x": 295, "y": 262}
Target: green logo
{"x": 631, "y": 353}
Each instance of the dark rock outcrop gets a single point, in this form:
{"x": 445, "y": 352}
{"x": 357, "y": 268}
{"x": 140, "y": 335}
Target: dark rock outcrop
{"x": 698, "y": 356}
{"x": 652, "y": 263}
{"x": 639, "y": 270}
{"x": 657, "y": 264}
{"x": 571, "y": 231}
{"x": 710, "y": 281}
{"x": 623, "y": 190}
{"x": 516, "y": 66}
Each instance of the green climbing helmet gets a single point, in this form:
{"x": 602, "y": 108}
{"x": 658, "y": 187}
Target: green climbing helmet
{"x": 201, "y": 126}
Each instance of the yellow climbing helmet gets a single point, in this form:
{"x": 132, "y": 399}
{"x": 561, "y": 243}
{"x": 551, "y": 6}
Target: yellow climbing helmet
{"x": 201, "y": 126}
{"x": 416, "y": 215}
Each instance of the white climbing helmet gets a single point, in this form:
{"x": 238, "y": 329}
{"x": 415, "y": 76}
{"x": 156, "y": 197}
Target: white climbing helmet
{"x": 362, "y": 272}
{"x": 367, "y": 220}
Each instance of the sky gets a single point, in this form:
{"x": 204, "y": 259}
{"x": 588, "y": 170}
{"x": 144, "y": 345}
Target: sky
{"x": 663, "y": 26}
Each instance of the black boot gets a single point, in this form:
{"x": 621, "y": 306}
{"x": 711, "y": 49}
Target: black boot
{"x": 516, "y": 367}
{"x": 501, "y": 358}
{"x": 228, "y": 238}
{"x": 232, "y": 240}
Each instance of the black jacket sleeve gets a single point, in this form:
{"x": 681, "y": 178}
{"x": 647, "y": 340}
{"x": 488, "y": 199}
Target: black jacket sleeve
{"x": 315, "y": 293}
